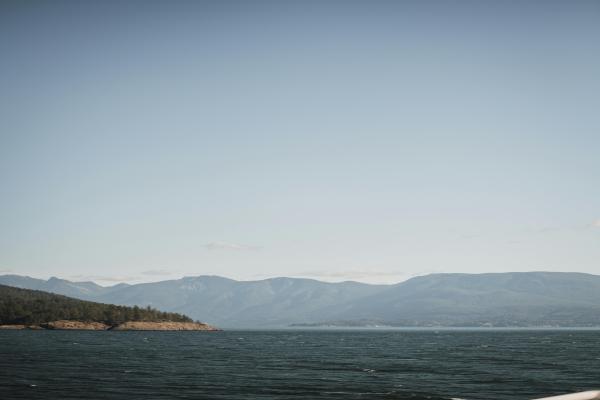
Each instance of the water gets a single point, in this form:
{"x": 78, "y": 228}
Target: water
{"x": 297, "y": 364}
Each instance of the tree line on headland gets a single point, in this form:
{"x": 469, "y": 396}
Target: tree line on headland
{"x": 24, "y": 306}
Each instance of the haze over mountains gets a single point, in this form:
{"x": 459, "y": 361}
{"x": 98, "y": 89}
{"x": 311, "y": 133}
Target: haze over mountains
{"x": 500, "y": 299}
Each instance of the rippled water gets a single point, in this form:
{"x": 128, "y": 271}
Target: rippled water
{"x": 297, "y": 364}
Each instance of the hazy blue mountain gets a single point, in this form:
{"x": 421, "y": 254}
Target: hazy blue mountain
{"x": 226, "y": 302}
{"x": 504, "y": 299}
{"x": 79, "y": 290}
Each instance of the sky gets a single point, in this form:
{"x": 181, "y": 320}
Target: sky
{"x": 337, "y": 140}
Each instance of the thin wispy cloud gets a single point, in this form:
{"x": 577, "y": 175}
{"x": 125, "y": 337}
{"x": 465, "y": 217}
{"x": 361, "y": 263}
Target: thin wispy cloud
{"x": 367, "y": 276}
{"x": 229, "y": 246}
{"x": 470, "y": 236}
{"x": 158, "y": 272}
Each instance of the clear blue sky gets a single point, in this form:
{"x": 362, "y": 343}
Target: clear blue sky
{"x": 368, "y": 140}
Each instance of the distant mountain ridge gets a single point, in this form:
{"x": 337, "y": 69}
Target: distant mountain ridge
{"x": 80, "y": 290}
{"x": 493, "y": 299}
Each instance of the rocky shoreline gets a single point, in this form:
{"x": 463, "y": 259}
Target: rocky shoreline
{"x": 124, "y": 326}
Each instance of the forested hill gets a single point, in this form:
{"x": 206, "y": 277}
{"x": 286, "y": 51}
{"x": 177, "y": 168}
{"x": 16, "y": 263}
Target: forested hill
{"x": 24, "y": 306}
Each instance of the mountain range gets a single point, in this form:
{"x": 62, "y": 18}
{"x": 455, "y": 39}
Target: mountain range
{"x": 520, "y": 299}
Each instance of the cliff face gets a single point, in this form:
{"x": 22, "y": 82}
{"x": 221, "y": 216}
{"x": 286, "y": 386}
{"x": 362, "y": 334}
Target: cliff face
{"x": 163, "y": 326}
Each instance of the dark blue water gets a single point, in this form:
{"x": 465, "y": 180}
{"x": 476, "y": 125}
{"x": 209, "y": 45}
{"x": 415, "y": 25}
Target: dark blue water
{"x": 297, "y": 364}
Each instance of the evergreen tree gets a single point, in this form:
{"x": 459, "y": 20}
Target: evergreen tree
{"x": 24, "y": 306}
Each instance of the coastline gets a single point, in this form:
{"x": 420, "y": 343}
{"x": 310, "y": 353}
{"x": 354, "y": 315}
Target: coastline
{"x": 124, "y": 326}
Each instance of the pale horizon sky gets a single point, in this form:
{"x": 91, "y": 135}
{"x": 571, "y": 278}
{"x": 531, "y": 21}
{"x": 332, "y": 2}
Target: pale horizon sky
{"x": 359, "y": 140}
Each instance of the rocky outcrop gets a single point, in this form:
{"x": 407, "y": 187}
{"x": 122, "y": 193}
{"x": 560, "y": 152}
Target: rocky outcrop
{"x": 19, "y": 327}
{"x": 163, "y": 326}
{"x": 12, "y": 327}
{"x": 34, "y": 327}
{"x": 75, "y": 325}
{"x": 125, "y": 326}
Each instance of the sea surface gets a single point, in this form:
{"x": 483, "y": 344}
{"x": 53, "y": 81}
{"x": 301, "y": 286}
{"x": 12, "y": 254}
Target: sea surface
{"x": 298, "y": 364}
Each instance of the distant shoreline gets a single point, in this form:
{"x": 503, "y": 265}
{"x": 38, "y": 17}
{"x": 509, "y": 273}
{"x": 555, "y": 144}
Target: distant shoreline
{"x": 409, "y": 328}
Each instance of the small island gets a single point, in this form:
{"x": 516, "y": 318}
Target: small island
{"x": 37, "y": 310}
